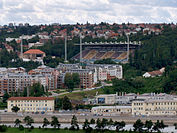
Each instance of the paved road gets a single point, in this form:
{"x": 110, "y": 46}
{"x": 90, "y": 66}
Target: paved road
{"x": 66, "y": 117}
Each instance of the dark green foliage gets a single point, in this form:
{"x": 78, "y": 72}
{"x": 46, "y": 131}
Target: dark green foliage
{"x": 17, "y": 123}
{"x": 105, "y": 61}
{"x": 15, "y": 109}
{"x": 3, "y": 128}
{"x": 36, "y": 90}
{"x": 175, "y": 124}
{"x": 148, "y": 125}
{"x": 66, "y": 103}
{"x": 76, "y": 79}
{"x": 92, "y": 121}
{"x": 171, "y": 82}
{"x": 159, "y": 125}
{"x": 52, "y": 62}
{"x": 69, "y": 83}
{"x": 74, "y": 123}
{"x": 157, "y": 51}
{"x": 21, "y": 128}
{"x": 5, "y": 97}
{"x": 138, "y": 126}
{"x": 86, "y": 126}
{"x": 63, "y": 103}
{"x": 119, "y": 125}
{"x": 55, "y": 123}
{"x": 45, "y": 122}
{"x": 28, "y": 120}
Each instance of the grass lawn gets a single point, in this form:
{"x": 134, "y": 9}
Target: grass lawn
{"x": 84, "y": 94}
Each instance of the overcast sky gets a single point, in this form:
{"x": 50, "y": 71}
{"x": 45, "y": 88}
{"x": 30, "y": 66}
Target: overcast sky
{"x": 93, "y": 11}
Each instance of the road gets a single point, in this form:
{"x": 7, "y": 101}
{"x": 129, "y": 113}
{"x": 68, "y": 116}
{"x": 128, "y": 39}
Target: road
{"x": 66, "y": 117}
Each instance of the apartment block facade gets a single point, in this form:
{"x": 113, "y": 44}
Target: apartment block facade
{"x": 31, "y": 104}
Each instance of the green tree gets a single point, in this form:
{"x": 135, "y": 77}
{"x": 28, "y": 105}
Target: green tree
{"x": 68, "y": 81}
{"x": 138, "y": 126}
{"x": 119, "y": 125}
{"x": 76, "y": 79}
{"x": 92, "y": 121}
{"x": 175, "y": 124}
{"x": 36, "y": 90}
{"x": 66, "y": 104}
{"x": 17, "y": 123}
{"x": 5, "y": 97}
{"x": 148, "y": 125}
{"x": 15, "y": 109}
{"x": 55, "y": 123}
{"x": 86, "y": 126}
{"x": 104, "y": 123}
{"x": 74, "y": 123}
{"x": 45, "y": 122}
{"x": 28, "y": 120}
{"x": 98, "y": 124}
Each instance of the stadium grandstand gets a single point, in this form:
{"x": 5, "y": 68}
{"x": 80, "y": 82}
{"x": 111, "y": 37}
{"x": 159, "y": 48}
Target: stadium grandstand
{"x": 114, "y": 50}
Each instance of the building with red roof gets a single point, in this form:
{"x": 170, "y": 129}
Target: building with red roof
{"x": 34, "y": 54}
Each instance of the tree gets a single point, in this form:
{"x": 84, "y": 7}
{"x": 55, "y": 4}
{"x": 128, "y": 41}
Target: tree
{"x": 119, "y": 125}
{"x": 110, "y": 123}
{"x": 159, "y": 125}
{"x": 86, "y": 126}
{"x": 98, "y": 124}
{"x": 66, "y": 104}
{"x": 28, "y": 120}
{"x": 5, "y": 97}
{"x": 36, "y": 90}
{"x": 175, "y": 124}
{"x": 104, "y": 123}
{"x": 138, "y": 126}
{"x": 15, "y": 109}
{"x": 17, "y": 123}
{"x": 148, "y": 125}
{"x": 92, "y": 121}
{"x": 68, "y": 81}
{"x": 55, "y": 123}
{"x": 76, "y": 79}
{"x": 74, "y": 123}
{"x": 45, "y": 123}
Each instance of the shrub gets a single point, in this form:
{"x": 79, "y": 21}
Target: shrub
{"x": 21, "y": 127}
{"x": 3, "y": 128}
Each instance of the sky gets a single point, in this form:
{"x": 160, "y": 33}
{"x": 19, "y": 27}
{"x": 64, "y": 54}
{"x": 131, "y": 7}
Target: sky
{"x": 92, "y": 11}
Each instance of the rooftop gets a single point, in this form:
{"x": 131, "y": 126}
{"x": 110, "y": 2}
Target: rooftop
{"x": 30, "y": 98}
{"x": 34, "y": 51}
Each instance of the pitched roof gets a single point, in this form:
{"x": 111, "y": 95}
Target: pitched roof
{"x": 30, "y": 98}
{"x": 34, "y": 51}
{"x": 155, "y": 73}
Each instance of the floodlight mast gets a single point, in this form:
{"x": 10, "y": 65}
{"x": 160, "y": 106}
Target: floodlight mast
{"x": 128, "y": 47}
{"x": 80, "y": 47}
{"x": 66, "y": 48}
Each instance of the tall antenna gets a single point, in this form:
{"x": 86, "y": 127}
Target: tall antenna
{"x": 80, "y": 48}
{"x": 22, "y": 47}
{"x": 128, "y": 48}
{"x": 66, "y": 48}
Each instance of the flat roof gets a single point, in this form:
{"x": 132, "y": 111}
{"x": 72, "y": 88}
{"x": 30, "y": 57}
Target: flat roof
{"x": 111, "y": 107}
{"x": 30, "y": 98}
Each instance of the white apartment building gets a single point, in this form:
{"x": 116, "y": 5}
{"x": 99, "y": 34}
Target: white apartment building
{"x": 107, "y": 71}
{"x": 31, "y": 104}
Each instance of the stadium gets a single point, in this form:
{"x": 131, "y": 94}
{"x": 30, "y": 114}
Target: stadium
{"x": 117, "y": 51}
